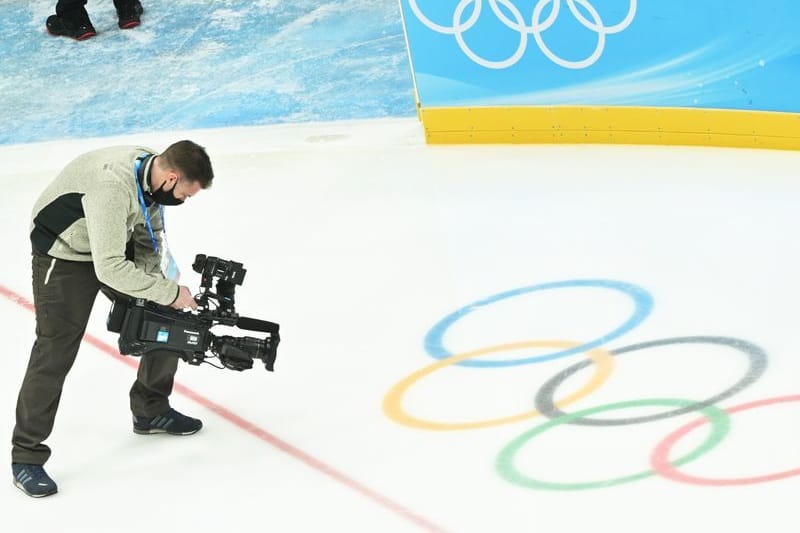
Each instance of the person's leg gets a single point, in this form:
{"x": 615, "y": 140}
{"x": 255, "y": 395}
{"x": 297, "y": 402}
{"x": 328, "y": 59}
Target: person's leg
{"x": 129, "y": 13}
{"x": 63, "y": 295}
{"x": 66, "y": 7}
{"x": 150, "y": 398}
{"x": 150, "y": 392}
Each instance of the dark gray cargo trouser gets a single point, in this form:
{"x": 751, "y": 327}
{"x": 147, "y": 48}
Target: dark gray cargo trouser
{"x": 63, "y": 295}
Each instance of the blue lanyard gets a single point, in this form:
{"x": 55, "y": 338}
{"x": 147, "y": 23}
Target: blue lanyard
{"x": 136, "y": 167}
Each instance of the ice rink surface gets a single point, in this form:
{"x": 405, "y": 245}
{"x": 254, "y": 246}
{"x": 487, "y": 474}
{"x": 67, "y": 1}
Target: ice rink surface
{"x": 201, "y": 64}
{"x": 430, "y": 299}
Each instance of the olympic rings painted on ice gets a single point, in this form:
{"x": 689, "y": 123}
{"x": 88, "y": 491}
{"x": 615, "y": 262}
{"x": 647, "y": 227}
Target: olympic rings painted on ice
{"x": 666, "y": 468}
{"x": 504, "y": 464}
{"x": 642, "y": 300}
{"x": 536, "y": 28}
{"x": 603, "y": 361}
{"x": 757, "y": 359}
{"x": 392, "y": 405}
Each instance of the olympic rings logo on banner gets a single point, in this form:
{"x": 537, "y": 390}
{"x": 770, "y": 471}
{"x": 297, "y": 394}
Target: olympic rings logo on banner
{"x": 602, "y": 362}
{"x": 536, "y": 28}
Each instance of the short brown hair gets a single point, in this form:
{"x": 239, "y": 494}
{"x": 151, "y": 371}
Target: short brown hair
{"x": 191, "y": 160}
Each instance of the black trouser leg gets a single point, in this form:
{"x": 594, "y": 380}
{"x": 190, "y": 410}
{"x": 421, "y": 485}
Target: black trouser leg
{"x": 63, "y": 296}
{"x": 66, "y": 6}
{"x": 153, "y": 385}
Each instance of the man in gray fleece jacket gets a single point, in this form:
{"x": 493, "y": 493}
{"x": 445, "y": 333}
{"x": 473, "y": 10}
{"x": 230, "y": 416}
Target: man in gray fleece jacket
{"x": 101, "y": 223}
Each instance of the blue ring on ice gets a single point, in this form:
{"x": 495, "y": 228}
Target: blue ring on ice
{"x": 643, "y": 301}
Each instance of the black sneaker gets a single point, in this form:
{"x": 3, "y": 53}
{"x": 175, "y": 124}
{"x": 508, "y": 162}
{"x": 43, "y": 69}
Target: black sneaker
{"x": 129, "y": 13}
{"x": 74, "y": 24}
{"x": 171, "y": 422}
{"x": 33, "y": 480}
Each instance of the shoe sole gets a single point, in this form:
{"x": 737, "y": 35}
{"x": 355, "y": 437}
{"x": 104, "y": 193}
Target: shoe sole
{"x": 22, "y": 488}
{"x": 156, "y": 431}
{"x": 81, "y": 37}
{"x": 129, "y": 25}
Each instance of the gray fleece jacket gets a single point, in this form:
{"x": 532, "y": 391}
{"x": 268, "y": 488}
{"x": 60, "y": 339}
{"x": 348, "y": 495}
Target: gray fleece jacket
{"x": 91, "y": 211}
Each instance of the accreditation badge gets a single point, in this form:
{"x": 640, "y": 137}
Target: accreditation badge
{"x": 168, "y": 265}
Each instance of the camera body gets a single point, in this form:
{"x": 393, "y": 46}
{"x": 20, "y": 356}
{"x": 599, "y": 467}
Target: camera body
{"x": 146, "y": 327}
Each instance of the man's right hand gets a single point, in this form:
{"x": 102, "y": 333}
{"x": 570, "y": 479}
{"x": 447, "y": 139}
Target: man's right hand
{"x": 184, "y": 299}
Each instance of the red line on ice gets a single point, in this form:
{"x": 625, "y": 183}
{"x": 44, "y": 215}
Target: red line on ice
{"x": 253, "y": 429}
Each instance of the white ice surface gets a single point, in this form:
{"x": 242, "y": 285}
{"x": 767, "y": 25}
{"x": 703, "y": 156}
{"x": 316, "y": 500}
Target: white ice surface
{"x": 358, "y": 238}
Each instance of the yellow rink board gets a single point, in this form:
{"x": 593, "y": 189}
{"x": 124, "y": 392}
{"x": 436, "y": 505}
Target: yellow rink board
{"x": 617, "y": 125}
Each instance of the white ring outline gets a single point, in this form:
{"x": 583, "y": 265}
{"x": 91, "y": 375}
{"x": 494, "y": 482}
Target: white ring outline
{"x": 600, "y": 28}
{"x": 601, "y": 36}
{"x": 453, "y": 29}
{"x": 523, "y": 36}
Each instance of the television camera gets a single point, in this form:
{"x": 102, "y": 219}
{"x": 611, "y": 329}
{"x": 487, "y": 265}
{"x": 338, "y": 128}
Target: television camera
{"x": 145, "y": 326}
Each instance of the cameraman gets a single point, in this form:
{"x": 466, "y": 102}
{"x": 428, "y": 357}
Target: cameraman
{"x": 100, "y": 223}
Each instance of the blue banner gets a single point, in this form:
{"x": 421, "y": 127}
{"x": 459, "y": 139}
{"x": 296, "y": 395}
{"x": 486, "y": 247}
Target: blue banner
{"x": 721, "y": 54}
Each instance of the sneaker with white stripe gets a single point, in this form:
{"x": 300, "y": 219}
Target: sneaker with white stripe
{"x": 33, "y": 480}
{"x": 171, "y": 422}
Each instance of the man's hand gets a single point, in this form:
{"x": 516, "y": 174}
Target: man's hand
{"x": 184, "y": 299}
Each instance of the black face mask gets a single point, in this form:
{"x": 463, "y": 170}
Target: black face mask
{"x": 166, "y": 197}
